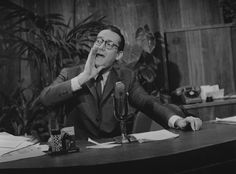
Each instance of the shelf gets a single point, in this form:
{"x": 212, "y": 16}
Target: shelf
{"x": 209, "y": 104}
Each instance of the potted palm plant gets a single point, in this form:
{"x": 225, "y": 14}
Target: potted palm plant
{"x": 49, "y": 44}
{"x": 229, "y": 10}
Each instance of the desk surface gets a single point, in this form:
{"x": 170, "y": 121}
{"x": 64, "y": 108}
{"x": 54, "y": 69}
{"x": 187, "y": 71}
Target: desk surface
{"x": 213, "y": 144}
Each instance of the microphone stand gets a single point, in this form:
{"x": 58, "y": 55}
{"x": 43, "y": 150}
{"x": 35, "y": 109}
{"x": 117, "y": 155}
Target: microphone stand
{"x": 124, "y": 138}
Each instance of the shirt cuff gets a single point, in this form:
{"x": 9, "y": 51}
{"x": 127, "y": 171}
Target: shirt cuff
{"x": 172, "y": 120}
{"x": 75, "y": 83}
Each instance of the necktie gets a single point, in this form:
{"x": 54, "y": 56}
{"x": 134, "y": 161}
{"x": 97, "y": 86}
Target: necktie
{"x": 99, "y": 86}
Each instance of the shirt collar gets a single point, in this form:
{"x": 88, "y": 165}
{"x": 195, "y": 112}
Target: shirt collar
{"x": 104, "y": 76}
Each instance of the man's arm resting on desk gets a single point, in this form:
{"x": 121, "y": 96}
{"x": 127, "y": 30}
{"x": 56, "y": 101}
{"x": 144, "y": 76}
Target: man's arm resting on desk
{"x": 182, "y": 123}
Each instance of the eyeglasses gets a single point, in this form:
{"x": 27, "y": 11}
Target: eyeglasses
{"x": 109, "y": 45}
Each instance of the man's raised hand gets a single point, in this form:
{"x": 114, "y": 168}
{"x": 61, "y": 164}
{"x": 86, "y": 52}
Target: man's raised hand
{"x": 90, "y": 70}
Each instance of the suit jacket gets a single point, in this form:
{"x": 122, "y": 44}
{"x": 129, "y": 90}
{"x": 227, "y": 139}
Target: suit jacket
{"x": 98, "y": 121}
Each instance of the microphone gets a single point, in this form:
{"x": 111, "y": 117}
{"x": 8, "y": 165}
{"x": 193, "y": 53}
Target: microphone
{"x": 120, "y": 101}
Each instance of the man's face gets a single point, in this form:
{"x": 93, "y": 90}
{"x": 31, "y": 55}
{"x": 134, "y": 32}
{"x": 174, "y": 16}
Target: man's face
{"x": 107, "y": 43}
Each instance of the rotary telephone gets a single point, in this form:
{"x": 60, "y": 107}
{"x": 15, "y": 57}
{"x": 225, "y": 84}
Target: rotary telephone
{"x": 189, "y": 94}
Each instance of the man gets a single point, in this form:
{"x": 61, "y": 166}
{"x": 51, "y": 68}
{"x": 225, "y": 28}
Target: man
{"x": 93, "y": 116}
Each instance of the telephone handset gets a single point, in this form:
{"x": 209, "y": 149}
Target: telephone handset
{"x": 189, "y": 94}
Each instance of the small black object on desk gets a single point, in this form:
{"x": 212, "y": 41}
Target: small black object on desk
{"x": 209, "y": 99}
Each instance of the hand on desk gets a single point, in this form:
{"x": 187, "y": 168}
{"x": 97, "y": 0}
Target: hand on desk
{"x": 193, "y": 122}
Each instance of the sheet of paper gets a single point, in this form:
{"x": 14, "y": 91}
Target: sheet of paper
{"x": 11, "y": 141}
{"x": 154, "y": 135}
{"x": 43, "y": 148}
{"x": 26, "y": 152}
{"x": 106, "y": 145}
{"x": 22, "y": 145}
{"x": 103, "y": 146}
{"x": 229, "y": 120}
{"x": 141, "y": 137}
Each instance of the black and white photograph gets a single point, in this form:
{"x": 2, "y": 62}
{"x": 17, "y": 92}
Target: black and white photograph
{"x": 118, "y": 86}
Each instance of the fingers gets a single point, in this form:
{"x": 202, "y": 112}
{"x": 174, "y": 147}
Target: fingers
{"x": 90, "y": 63}
{"x": 181, "y": 123}
{"x": 194, "y": 122}
{"x": 198, "y": 123}
{"x": 95, "y": 71}
{"x": 94, "y": 50}
{"x": 92, "y": 55}
{"x": 189, "y": 122}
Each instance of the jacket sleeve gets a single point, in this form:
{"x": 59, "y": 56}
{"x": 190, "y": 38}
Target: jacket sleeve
{"x": 148, "y": 104}
{"x": 58, "y": 91}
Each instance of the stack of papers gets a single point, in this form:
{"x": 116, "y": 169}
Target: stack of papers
{"x": 17, "y": 147}
{"x": 211, "y": 90}
{"x": 227, "y": 120}
{"x": 140, "y": 137}
{"x": 10, "y": 142}
{"x": 106, "y": 145}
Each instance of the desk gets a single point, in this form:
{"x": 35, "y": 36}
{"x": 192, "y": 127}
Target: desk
{"x": 213, "y": 148}
{"x": 209, "y": 110}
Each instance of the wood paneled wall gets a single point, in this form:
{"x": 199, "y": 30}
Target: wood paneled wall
{"x": 160, "y": 15}
{"x": 204, "y": 56}
{"x": 127, "y": 15}
{"x": 179, "y": 14}
{"x": 175, "y": 14}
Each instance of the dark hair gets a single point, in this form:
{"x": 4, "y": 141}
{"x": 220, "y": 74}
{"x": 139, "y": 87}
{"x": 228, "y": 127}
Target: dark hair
{"x": 117, "y": 31}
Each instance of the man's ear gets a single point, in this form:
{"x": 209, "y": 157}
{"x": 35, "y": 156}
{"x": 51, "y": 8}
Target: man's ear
{"x": 119, "y": 55}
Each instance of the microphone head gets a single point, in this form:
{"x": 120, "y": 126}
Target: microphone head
{"x": 120, "y": 101}
{"x": 119, "y": 89}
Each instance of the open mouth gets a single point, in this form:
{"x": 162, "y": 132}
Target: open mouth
{"x": 100, "y": 55}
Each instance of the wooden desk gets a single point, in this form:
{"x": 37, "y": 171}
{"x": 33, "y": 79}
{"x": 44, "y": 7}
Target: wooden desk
{"x": 211, "y": 149}
{"x": 210, "y": 110}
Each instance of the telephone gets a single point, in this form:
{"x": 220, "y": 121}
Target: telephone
{"x": 188, "y": 94}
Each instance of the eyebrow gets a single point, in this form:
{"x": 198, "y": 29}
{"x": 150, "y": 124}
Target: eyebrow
{"x": 107, "y": 40}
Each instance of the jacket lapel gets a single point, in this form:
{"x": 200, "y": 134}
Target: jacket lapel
{"x": 110, "y": 84}
{"x": 91, "y": 87}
